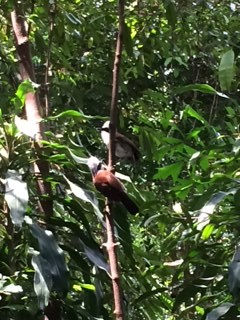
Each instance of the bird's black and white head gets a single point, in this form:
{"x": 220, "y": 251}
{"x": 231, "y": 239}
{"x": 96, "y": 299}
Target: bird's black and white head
{"x": 94, "y": 165}
{"x": 105, "y": 132}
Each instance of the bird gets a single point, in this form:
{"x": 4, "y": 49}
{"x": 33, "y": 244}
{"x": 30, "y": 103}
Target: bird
{"x": 125, "y": 149}
{"x": 109, "y": 185}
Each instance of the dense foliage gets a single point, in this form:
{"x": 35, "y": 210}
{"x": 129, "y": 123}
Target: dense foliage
{"x": 179, "y": 92}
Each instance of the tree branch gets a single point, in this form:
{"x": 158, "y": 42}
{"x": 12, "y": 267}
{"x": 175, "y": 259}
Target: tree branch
{"x": 34, "y": 117}
{"x": 32, "y": 107}
{"x": 115, "y": 85}
{"x": 111, "y": 245}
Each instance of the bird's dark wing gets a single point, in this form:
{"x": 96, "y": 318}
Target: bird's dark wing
{"x": 123, "y": 140}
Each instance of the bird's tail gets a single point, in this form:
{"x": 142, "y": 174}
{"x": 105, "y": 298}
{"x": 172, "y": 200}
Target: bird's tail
{"x": 129, "y": 204}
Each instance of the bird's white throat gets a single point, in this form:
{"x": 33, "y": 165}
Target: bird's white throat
{"x": 105, "y": 137}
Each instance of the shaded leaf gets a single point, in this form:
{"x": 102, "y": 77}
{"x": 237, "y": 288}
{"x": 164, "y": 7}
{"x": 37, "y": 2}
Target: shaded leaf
{"x": 171, "y": 13}
{"x": 51, "y": 252}
{"x": 234, "y": 275}
{"x": 86, "y": 196}
{"x": 127, "y": 40}
{"x": 95, "y": 256}
{"x": 226, "y": 70}
{"x": 219, "y": 311}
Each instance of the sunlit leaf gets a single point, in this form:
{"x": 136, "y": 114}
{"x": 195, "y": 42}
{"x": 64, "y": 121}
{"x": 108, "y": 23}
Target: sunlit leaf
{"x": 193, "y": 113}
{"x": 208, "y": 209}
{"x": 207, "y": 231}
{"x": 42, "y": 280}
{"x": 16, "y": 196}
{"x": 85, "y": 196}
{"x": 11, "y": 288}
{"x": 76, "y": 115}
{"x": 26, "y": 127}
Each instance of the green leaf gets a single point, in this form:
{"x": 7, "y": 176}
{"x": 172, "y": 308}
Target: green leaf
{"x": 87, "y": 286}
{"x": 24, "y": 88}
{"x": 207, "y": 231}
{"x": 172, "y": 170}
{"x": 170, "y": 13}
{"x": 226, "y": 70}
{"x": 204, "y": 88}
{"x": 76, "y": 114}
{"x": 127, "y": 40}
{"x": 194, "y": 114}
{"x": 78, "y": 159}
{"x": 16, "y": 196}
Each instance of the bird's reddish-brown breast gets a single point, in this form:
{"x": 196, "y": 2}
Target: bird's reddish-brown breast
{"x": 108, "y": 185}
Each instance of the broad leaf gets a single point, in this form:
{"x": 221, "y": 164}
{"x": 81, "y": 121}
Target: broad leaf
{"x": 85, "y": 196}
{"x": 51, "y": 252}
{"x": 208, "y": 209}
{"x": 172, "y": 170}
{"x": 42, "y": 279}
{"x": 234, "y": 275}
{"x": 16, "y": 196}
{"x": 226, "y": 70}
{"x": 220, "y": 311}
{"x": 76, "y": 114}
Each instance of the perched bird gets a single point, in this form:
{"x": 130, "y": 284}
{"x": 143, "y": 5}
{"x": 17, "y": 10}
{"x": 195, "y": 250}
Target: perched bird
{"x": 109, "y": 185}
{"x": 125, "y": 149}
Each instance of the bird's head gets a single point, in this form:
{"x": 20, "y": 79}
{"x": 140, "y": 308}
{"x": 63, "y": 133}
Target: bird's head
{"x": 94, "y": 165}
{"x": 105, "y": 132}
{"x": 105, "y": 126}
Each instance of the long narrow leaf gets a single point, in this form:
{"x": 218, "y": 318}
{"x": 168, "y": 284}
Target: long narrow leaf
{"x": 16, "y": 196}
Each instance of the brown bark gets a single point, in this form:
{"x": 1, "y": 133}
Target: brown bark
{"x": 111, "y": 244}
{"x": 32, "y": 107}
{"x": 34, "y": 117}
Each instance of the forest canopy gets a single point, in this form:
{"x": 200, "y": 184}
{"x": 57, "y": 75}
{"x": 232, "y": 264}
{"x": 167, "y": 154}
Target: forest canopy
{"x": 178, "y": 102}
